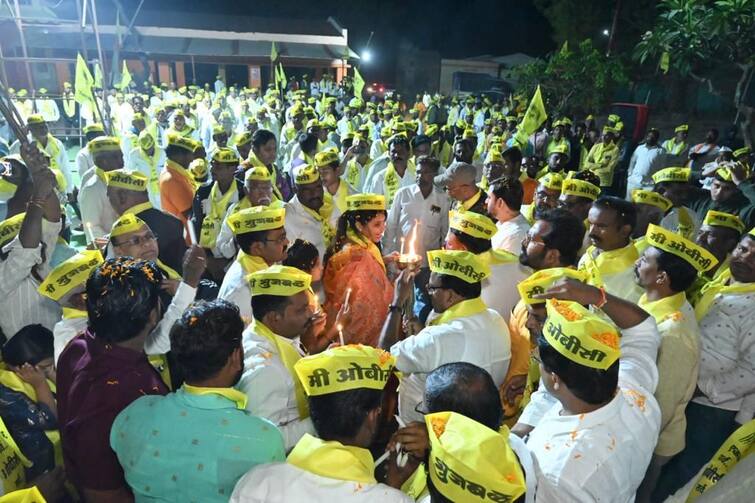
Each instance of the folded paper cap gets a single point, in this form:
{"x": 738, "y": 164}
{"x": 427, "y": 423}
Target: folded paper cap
{"x": 126, "y": 224}
{"x": 680, "y": 175}
{"x": 671, "y": 242}
{"x": 176, "y": 140}
{"x": 279, "y": 280}
{"x": 580, "y": 335}
{"x": 125, "y": 179}
{"x": 258, "y": 173}
{"x": 243, "y": 139}
{"x": 35, "y": 119}
{"x": 462, "y": 264}
{"x": 345, "y": 368}
{"x": 552, "y": 181}
{"x": 198, "y": 169}
{"x": 681, "y": 128}
{"x": 306, "y": 174}
{"x": 720, "y": 219}
{"x": 539, "y": 282}
{"x": 641, "y": 196}
{"x": 10, "y": 227}
{"x": 255, "y": 219}
{"x": 104, "y": 144}
{"x": 741, "y": 151}
{"x": 494, "y": 155}
{"x": 326, "y": 157}
{"x": 365, "y": 202}
{"x": 226, "y": 155}
{"x": 470, "y": 462}
{"x": 70, "y": 274}
{"x": 469, "y": 134}
{"x": 472, "y": 224}
{"x": 93, "y": 128}
{"x": 561, "y": 148}
{"x": 580, "y": 188}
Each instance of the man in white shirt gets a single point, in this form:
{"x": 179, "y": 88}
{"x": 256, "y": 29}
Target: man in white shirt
{"x": 84, "y": 161}
{"x": 39, "y": 134}
{"x": 466, "y": 329}
{"x": 149, "y": 159}
{"x": 336, "y": 465}
{"x": 504, "y": 202}
{"x": 596, "y": 421}
{"x": 610, "y": 258}
{"x": 27, "y": 241}
{"x": 96, "y": 212}
{"x": 399, "y": 172}
{"x": 647, "y": 159}
{"x": 726, "y": 381}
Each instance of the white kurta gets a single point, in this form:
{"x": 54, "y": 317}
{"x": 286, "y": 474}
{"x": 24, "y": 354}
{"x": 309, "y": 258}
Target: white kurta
{"x": 645, "y": 162}
{"x": 84, "y": 163}
{"x": 65, "y": 330}
{"x": 409, "y": 207}
{"x": 235, "y": 288}
{"x": 282, "y": 482}
{"x": 95, "y": 206}
{"x": 499, "y": 289}
{"x": 300, "y": 224}
{"x": 482, "y": 339}
{"x": 727, "y": 354}
{"x": 510, "y": 234}
{"x": 138, "y": 160}
{"x": 270, "y": 387}
{"x": 602, "y": 455}
{"x": 377, "y": 185}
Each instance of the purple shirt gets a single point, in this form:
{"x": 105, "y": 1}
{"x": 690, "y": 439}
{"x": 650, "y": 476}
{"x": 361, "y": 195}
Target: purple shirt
{"x": 95, "y": 381}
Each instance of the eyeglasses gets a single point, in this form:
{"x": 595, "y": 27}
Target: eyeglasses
{"x": 279, "y": 240}
{"x": 137, "y": 240}
{"x": 433, "y": 288}
{"x": 529, "y": 239}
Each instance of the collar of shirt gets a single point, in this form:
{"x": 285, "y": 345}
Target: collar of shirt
{"x": 212, "y": 398}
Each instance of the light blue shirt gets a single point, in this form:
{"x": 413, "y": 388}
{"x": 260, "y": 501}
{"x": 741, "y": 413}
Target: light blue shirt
{"x": 185, "y": 447}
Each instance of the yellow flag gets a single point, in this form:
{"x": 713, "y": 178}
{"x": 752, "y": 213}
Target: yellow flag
{"x": 358, "y": 83}
{"x": 83, "y": 83}
{"x": 98, "y": 76}
{"x": 273, "y": 52}
{"x": 125, "y": 77}
{"x": 533, "y": 118}
{"x": 665, "y": 60}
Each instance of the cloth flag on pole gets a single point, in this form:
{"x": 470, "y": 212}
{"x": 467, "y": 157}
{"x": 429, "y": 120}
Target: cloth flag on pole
{"x": 83, "y": 83}
{"x": 533, "y": 118}
{"x": 358, "y": 83}
{"x": 98, "y": 76}
{"x": 273, "y": 53}
{"x": 125, "y": 77}
{"x": 281, "y": 75}
{"x": 665, "y": 60}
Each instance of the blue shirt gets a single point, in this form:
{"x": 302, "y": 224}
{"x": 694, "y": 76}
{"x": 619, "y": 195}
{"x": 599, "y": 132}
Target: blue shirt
{"x": 191, "y": 447}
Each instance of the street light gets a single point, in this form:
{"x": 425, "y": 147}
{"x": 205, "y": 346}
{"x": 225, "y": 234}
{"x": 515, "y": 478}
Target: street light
{"x": 366, "y": 56}
{"x": 606, "y": 32}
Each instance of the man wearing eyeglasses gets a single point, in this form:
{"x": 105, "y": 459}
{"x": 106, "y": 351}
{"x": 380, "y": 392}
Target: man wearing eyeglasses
{"x": 460, "y": 183}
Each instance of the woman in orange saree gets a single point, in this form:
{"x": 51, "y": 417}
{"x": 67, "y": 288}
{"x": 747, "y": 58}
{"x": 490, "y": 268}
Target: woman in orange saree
{"x": 355, "y": 270}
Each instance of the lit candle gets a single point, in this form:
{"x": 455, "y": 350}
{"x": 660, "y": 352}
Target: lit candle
{"x": 402, "y": 246}
{"x": 89, "y": 232}
{"x": 192, "y": 234}
{"x": 348, "y": 296}
{"x": 340, "y": 334}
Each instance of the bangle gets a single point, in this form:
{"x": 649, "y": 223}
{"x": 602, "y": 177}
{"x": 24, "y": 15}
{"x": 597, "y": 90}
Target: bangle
{"x": 603, "y": 298}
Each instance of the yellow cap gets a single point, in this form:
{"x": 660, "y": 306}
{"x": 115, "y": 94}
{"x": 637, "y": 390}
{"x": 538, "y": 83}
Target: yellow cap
{"x": 70, "y": 274}
{"x": 344, "y": 368}
{"x": 561, "y": 148}
{"x": 542, "y": 280}
{"x": 326, "y": 157}
{"x": 472, "y": 224}
{"x": 198, "y": 169}
{"x": 494, "y": 155}
{"x": 580, "y": 188}
{"x": 579, "y": 335}
{"x": 127, "y": 223}
{"x": 652, "y": 198}
{"x": 471, "y": 462}
{"x": 35, "y": 119}
{"x": 279, "y": 280}
{"x": 217, "y": 129}
{"x": 129, "y": 180}
{"x": 365, "y": 202}
{"x": 551, "y": 181}
{"x": 306, "y": 174}
{"x": 431, "y": 130}
{"x": 258, "y": 173}
{"x": 225, "y": 155}
{"x": 257, "y": 218}
{"x": 176, "y": 140}
{"x": 721, "y": 219}
{"x": 243, "y": 139}
{"x": 10, "y": 227}
{"x": 724, "y": 173}
{"x": 93, "y": 128}
{"x": 663, "y": 239}
{"x": 672, "y": 175}
{"x": 741, "y": 151}
{"x": 103, "y": 144}
{"x": 469, "y": 134}
{"x": 681, "y": 128}
{"x": 461, "y": 264}
{"x": 609, "y": 129}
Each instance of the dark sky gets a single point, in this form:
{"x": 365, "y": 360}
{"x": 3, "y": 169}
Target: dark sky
{"x": 453, "y": 28}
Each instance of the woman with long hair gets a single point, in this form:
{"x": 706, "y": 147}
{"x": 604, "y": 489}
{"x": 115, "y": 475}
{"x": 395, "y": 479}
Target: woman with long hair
{"x": 355, "y": 270}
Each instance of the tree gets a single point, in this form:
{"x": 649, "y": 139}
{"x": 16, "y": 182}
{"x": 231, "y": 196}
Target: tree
{"x": 708, "y": 41}
{"x": 572, "y": 81}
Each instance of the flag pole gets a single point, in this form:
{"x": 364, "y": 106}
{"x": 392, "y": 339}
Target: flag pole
{"x": 106, "y": 122}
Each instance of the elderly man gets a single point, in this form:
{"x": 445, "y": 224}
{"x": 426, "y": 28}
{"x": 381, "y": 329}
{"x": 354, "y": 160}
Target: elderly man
{"x": 459, "y": 182}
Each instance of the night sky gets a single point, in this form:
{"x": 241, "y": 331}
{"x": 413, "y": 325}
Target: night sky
{"x": 453, "y": 28}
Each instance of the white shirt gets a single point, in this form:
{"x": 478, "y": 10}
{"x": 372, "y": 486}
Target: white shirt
{"x": 95, "y": 206}
{"x": 235, "y": 288}
{"x": 409, "y": 206}
{"x": 602, "y": 455}
{"x": 282, "y": 482}
{"x": 21, "y": 303}
{"x": 499, "y": 289}
{"x": 270, "y": 387}
{"x": 60, "y": 161}
{"x": 64, "y": 332}
{"x": 482, "y": 339}
{"x": 510, "y": 234}
{"x": 84, "y": 163}
{"x": 671, "y": 221}
{"x": 300, "y": 224}
{"x": 727, "y": 352}
{"x": 645, "y": 162}
{"x": 138, "y": 160}
{"x": 377, "y": 186}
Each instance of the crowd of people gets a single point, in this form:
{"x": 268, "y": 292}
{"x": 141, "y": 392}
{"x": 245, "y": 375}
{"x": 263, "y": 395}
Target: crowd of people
{"x": 299, "y": 295}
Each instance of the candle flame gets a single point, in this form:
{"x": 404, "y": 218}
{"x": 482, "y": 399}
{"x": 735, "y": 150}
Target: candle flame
{"x": 413, "y": 239}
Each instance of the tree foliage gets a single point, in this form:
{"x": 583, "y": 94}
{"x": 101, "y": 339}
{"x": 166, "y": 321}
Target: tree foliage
{"x": 579, "y": 80}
